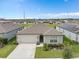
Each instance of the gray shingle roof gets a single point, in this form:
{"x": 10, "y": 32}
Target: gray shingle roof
{"x": 7, "y": 27}
{"x": 70, "y": 27}
{"x": 38, "y": 29}
{"x": 52, "y": 32}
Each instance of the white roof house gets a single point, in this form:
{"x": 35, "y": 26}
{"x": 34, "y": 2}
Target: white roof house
{"x": 39, "y": 33}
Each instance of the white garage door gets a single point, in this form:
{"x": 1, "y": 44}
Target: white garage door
{"x": 27, "y": 38}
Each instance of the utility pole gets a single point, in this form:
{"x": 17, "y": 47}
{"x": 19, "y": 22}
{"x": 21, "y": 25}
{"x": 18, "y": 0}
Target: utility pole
{"x": 23, "y": 13}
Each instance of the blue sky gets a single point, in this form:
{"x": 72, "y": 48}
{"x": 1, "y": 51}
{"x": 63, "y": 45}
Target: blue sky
{"x": 39, "y": 8}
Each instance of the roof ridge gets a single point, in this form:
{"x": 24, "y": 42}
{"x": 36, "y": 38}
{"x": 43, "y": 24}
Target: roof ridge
{"x": 48, "y": 30}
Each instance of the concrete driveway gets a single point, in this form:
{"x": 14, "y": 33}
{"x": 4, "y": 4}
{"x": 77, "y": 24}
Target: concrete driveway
{"x": 23, "y": 51}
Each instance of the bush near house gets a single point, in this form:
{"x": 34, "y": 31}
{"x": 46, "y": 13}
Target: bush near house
{"x": 3, "y": 42}
{"x": 59, "y": 46}
{"x": 45, "y": 47}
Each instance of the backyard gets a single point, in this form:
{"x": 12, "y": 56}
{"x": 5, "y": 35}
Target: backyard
{"x": 25, "y": 25}
{"x": 52, "y": 25}
{"x": 7, "y": 49}
{"x": 54, "y": 53}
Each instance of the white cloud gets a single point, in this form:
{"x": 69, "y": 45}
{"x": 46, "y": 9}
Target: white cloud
{"x": 58, "y": 15}
{"x": 55, "y": 15}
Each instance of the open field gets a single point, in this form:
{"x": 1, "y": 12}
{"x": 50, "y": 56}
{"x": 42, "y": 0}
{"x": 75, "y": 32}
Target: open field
{"x": 40, "y": 53}
{"x": 25, "y": 25}
{"x": 7, "y": 49}
{"x": 52, "y": 25}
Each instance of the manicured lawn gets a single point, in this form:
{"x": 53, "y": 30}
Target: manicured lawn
{"x": 75, "y": 48}
{"x": 52, "y": 25}
{"x": 25, "y": 25}
{"x": 4, "y": 52}
{"x": 40, "y": 53}
{"x": 7, "y": 49}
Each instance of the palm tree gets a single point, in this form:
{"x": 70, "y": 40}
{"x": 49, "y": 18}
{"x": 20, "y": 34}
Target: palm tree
{"x": 67, "y": 54}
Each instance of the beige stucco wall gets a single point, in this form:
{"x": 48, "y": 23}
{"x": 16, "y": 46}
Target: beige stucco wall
{"x": 58, "y": 38}
{"x": 1, "y": 35}
{"x": 27, "y": 38}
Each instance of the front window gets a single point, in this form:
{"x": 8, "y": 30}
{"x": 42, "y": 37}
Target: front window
{"x": 53, "y": 40}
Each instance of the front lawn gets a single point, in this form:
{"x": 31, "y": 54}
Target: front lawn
{"x": 75, "y": 48}
{"x": 40, "y": 53}
{"x": 7, "y": 49}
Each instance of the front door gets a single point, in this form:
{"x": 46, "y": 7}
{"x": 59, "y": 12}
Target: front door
{"x": 41, "y": 38}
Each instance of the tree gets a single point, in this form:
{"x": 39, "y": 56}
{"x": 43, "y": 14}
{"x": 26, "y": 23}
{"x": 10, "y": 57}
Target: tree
{"x": 67, "y": 53}
{"x": 45, "y": 47}
{"x": 2, "y": 42}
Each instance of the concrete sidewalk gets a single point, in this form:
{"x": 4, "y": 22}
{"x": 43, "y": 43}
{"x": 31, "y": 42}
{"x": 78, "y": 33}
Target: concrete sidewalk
{"x": 2, "y": 58}
{"x": 23, "y": 51}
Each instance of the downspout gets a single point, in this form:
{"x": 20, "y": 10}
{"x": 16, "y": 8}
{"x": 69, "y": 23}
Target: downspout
{"x": 76, "y": 37}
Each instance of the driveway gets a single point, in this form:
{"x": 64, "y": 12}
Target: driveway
{"x": 23, "y": 51}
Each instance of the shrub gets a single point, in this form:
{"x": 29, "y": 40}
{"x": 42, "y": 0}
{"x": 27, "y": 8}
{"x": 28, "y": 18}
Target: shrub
{"x": 67, "y": 53}
{"x": 45, "y": 47}
{"x": 5, "y": 41}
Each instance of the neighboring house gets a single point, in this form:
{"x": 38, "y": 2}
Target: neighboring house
{"x": 8, "y": 29}
{"x": 70, "y": 30}
{"x": 40, "y": 33}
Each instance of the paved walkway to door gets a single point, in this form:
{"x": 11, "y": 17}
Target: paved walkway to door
{"x": 23, "y": 51}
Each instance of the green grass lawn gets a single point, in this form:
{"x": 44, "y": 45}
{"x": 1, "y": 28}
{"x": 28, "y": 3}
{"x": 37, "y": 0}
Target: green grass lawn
{"x": 52, "y": 25}
{"x": 40, "y": 53}
{"x": 75, "y": 46}
{"x": 7, "y": 49}
{"x": 25, "y": 25}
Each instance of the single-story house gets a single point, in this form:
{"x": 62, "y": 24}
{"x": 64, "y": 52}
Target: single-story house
{"x": 8, "y": 29}
{"x": 69, "y": 30}
{"x": 40, "y": 33}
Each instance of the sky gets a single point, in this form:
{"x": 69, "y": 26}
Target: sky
{"x": 39, "y": 9}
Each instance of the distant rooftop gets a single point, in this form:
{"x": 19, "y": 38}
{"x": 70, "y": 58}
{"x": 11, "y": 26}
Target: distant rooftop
{"x": 71, "y": 27}
{"x": 7, "y": 27}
